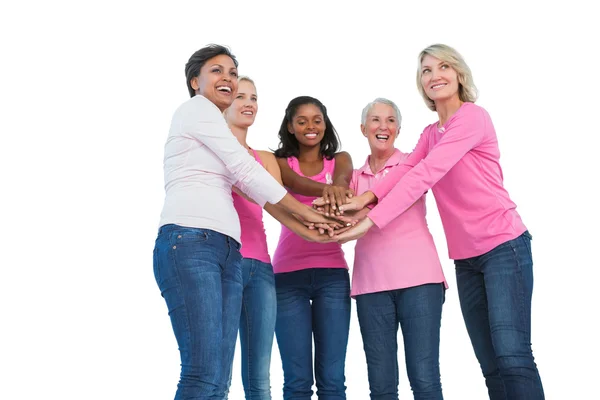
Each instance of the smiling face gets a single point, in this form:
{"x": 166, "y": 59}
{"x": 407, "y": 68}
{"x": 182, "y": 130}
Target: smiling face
{"x": 438, "y": 79}
{"x": 308, "y": 125}
{"x": 381, "y": 128}
{"x": 242, "y": 111}
{"x": 217, "y": 81}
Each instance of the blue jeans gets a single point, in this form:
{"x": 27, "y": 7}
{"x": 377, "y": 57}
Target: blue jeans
{"x": 257, "y": 326}
{"x": 315, "y": 302}
{"x": 418, "y": 311}
{"x": 199, "y": 276}
{"x": 495, "y": 291}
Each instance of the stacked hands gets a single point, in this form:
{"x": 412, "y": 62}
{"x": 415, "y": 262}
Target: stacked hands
{"x": 338, "y": 216}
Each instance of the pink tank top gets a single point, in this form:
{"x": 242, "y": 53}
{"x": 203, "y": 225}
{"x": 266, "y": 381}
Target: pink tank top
{"x": 294, "y": 253}
{"x": 254, "y": 238}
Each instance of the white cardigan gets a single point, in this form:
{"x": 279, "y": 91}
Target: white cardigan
{"x": 203, "y": 160}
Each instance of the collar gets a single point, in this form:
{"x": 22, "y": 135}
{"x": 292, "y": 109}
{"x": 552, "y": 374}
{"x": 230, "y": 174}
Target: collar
{"x": 394, "y": 160}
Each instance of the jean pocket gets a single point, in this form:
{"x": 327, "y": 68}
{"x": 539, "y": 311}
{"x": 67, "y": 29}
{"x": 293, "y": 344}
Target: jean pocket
{"x": 191, "y": 235}
{"x": 528, "y": 235}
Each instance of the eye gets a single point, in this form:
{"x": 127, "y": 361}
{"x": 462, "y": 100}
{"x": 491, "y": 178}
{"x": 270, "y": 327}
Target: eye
{"x": 239, "y": 96}
{"x": 300, "y": 122}
{"x": 426, "y": 70}
{"x": 445, "y": 66}
{"x": 318, "y": 121}
{"x": 254, "y": 99}
{"x": 375, "y": 119}
{"x": 216, "y": 70}
{"x": 234, "y": 73}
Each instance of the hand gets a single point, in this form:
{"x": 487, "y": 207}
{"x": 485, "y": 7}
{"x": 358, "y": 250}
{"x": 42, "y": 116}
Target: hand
{"x": 334, "y": 196}
{"x": 356, "y": 232}
{"x": 355, "y": 216}
{"x": 310, "y": 215}
{"x": 313, "y": 235}
{"x": 357, "y": 202}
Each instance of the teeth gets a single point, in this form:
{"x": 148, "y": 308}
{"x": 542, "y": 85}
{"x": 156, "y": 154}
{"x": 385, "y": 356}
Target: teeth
{"x": 311, "y": 135}
{"x": 438, "y": 86}
{"x": 248, "y": 113}
{"x": 224, "y": 89}
{"x": 384, "y": 137}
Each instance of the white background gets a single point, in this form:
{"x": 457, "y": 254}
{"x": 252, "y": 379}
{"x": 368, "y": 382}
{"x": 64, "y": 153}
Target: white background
{"x": 87, "y": 92}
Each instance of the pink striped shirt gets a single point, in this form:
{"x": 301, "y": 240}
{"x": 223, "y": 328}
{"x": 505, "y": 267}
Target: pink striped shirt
{"x": 401, "y": 255}
{"x": 460, "y": 163}
{"x": 254, "y": 237}
{"x": 294, "y": 253}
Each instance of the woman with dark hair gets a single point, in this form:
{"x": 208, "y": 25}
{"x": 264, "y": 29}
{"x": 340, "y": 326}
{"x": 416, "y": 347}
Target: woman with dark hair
{"x": 196, "y": 254}
{"x": 311, "y": 279}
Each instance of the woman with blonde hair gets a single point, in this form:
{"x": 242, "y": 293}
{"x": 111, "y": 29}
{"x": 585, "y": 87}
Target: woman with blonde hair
{"x": 458, "y": 158}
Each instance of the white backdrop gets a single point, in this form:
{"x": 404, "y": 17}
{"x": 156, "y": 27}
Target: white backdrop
{"x": 87, "y": 92}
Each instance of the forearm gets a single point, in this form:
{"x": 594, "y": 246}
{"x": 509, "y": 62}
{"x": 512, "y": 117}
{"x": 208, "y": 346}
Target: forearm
{"x": 285, "y": 218}
{"x": 291, "y": 205}
{"x": 307, "y": 187}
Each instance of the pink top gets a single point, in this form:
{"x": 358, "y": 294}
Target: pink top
{"x": 254, "y": 238}
{"x": 294, "y": 253}
{"x": 460, "y": 163}
{"x": 402, "y": 254}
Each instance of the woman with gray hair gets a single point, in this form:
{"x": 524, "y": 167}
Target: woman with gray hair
{"x": 458, "y": 158}
{"x": 397, "y": 277}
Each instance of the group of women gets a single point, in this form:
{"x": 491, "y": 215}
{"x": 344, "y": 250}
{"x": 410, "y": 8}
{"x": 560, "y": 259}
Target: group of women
{"x": 214, "y": 270}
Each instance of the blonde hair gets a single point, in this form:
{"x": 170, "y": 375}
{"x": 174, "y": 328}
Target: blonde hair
{"x": 247, "y": 79}
{"x": 467, "y": 91}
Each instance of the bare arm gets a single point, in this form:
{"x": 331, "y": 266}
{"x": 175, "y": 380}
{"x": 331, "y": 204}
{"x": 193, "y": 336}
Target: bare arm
{"x": 297, "y": 183}
{"x": 277, "y": 212}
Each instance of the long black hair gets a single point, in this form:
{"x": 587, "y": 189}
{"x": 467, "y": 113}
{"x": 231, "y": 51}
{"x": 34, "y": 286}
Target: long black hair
{"x": 288, "y": 144}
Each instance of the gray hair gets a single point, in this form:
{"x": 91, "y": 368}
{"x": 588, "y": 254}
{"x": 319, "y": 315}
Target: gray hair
{"x": 381, "y": 100}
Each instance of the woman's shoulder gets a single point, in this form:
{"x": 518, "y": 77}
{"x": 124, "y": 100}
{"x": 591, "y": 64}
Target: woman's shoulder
{"x": 342, "y": 155}
{"x": 266, "y": 156}
{"x": 197, "y": 104}
{"x": 472, "y": 109}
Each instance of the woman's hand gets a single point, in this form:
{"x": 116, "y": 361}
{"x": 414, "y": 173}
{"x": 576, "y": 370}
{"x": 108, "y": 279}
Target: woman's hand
{"x": 309, "y": 215}
{"x": 357, "y": 203}
{"x": 334, "y": 197}
{"x": 355, "y": 232}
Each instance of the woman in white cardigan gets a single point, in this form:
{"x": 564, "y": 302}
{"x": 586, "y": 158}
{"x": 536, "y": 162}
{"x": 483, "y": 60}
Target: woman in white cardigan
{"x": 196, "y": 255}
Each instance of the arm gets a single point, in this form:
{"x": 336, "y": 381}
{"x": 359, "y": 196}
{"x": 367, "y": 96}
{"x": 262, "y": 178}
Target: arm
{"x": 291, "y": 221}
{"x": 296, "y": 183}
{"x": 202, "y": 121}
{"x": 464, "y": 133}
{"x": 312, "y": 235}
{"x": 270, "y": 164}
{"x": 384, "y": 186}
{"x": 306, "y": 186}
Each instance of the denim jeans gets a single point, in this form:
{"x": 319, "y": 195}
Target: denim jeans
{"x": 418, "y": 311}
{"x": 257, "y": 327}
{"x": 495, "y": 291}
{"x": 311, "y": 302}
{"x": 199, "y": 276}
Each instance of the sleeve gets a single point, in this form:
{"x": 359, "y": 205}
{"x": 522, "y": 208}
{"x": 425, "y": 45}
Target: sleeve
{"x": 354, "y": 181}
{"x": 464, "y": 133}
{"x": 383, "y": 187}
{"x": 203, "y": 122}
